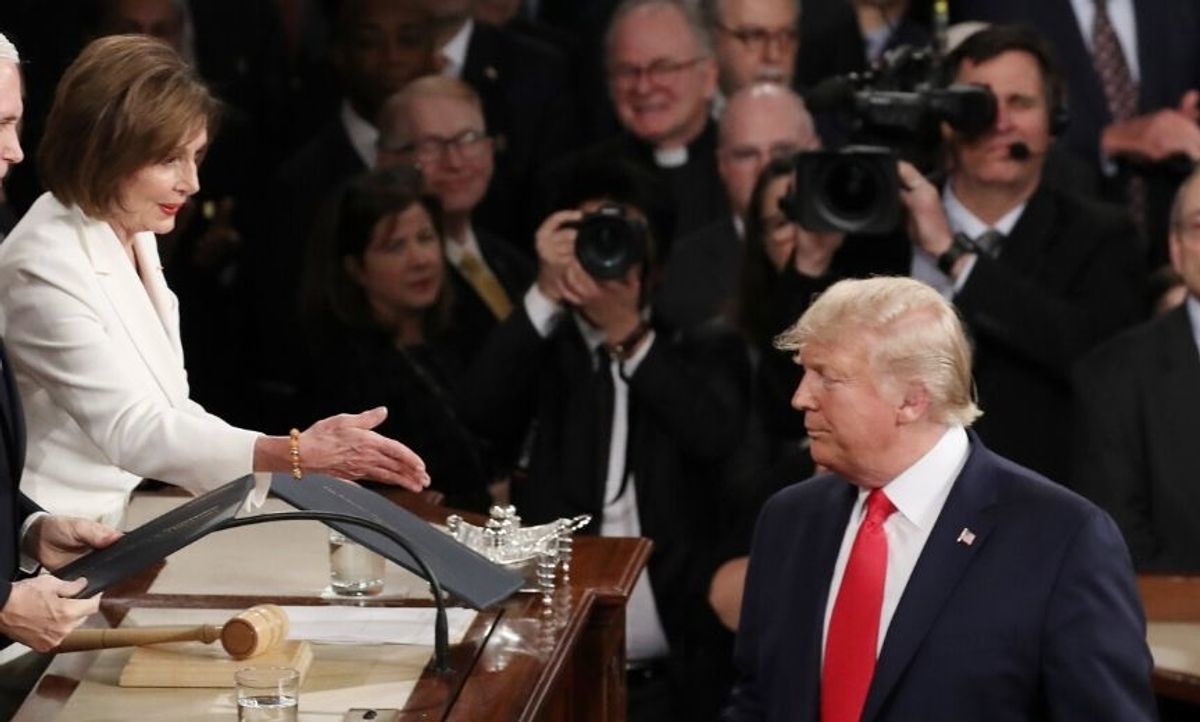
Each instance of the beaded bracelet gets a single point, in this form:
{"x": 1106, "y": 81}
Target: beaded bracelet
{"x": 294, "y": 453}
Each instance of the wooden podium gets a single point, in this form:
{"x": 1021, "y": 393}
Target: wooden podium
{"x": 519, "y": 660}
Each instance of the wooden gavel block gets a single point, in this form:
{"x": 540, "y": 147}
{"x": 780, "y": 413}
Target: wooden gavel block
{"x": 258, "y": 629}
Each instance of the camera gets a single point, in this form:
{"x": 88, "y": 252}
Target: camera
{"x": 893, "y": 111}
{"x": 608, "y": 243}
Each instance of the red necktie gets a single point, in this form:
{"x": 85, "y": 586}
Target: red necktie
{"x": 854, "y": 626}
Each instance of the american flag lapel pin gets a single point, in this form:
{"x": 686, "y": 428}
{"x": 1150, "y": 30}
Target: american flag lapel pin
{"x": 966, "y": 536}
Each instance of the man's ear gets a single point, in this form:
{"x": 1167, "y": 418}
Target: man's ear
{"x": 915, "y": 404}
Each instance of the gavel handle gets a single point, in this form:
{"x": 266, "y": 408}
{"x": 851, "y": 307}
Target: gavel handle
{"x": 84, "y": 639}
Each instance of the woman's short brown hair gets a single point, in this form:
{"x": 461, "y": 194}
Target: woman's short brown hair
{"x": 126, "y": 102}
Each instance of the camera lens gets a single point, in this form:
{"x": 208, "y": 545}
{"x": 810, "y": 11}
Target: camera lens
{"x": 608, "y": 244}
{"x": 850, "y": 189}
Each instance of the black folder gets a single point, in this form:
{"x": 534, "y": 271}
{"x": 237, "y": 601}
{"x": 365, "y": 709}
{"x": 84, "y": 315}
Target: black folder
{"x": 158, "y": 538}
{"x": 460, "y": 570}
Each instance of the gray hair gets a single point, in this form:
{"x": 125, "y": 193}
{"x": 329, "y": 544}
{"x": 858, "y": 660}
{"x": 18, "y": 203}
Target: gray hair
{"x": 804, "y": 122}
{"x": 8, "y": 51}
{"x": 701, "y": 35}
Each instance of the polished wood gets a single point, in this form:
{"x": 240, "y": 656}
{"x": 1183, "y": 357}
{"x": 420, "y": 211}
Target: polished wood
{"x": 1173, "y": 598}
{"x": 521, "y": 661}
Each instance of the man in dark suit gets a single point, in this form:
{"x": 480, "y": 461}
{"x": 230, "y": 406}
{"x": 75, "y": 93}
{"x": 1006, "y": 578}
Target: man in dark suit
{"x": 1039, "y": 275}
{"x": 1137, "y": 409}
{"x": 923, "y": 577}
{"x": 527, "y": 103}
{"x": 437, "y": 124}
{"x": 631, "y": 421}
{"x": 1159, "y": 44}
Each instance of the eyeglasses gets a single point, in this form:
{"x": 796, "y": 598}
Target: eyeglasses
{"x": 757, "y": 39}
{"x": 470, "y": 145}
{"x": 660, "y": 72}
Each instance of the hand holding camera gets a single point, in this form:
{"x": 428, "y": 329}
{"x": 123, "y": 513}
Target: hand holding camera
{"x": 927, "y": 224}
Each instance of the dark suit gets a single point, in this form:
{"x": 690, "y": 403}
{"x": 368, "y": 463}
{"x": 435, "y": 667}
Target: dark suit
{"x": 472, "y": 320}
{"x": 14, "y": 506}
{"x": 1138, "y": 408}
{"x": 1068, "y": 277}
{"x": 687, "y": 406}
{"x": 1037, "y": 619}
{"x": 523, "y": 85}
{"x": 1168, "y": 40}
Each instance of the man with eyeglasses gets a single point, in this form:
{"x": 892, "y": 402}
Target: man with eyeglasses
{"x": 756, "y": 41}
{"x": 661, "y": 77}
{"x": 1137, "y": 401}
{"x": 437, "y": 124}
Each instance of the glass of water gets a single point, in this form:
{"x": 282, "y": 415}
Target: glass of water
{"x": 354, "y": 570}
{"x": 267, "y": 694}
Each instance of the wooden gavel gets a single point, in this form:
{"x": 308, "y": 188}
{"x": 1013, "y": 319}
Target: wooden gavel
{"x": 254, "y": 631}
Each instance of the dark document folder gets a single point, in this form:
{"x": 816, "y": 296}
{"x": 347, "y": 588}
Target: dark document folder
{"x": 461, "y": 571}
{"x": 158, "y": 538}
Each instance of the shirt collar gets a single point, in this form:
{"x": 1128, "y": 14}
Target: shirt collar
{"x": 964, "y": 221}
{"x": 920, "y": 491}
{"x": 364, "y": 137}
{"x": 457, "y": 248}
{"x": 454, "y": 52}
{"x": 1193, "y": 312}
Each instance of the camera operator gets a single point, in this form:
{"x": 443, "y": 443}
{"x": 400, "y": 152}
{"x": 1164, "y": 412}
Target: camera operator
{"x": 1038, "y": 274}
{"x": 631, "y": 421}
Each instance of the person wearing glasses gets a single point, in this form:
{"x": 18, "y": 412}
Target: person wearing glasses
{"x": 756, "y": 41}
{"x": 1137, "y": 401}
{"x": 662, "y": 77}
{"x": 436, "y": 123}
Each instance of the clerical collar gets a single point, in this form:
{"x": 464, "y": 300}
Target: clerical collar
{"x": 671, "y": 157}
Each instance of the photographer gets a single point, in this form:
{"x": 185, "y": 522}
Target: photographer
{"x": 1038, "y": 274}
{"x": 631, "y": 421}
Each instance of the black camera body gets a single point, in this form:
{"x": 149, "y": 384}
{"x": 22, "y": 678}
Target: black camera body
{"x": 853, "y": 190}
{"x": 895, "y": 111}
{"x": 608, "y": 243}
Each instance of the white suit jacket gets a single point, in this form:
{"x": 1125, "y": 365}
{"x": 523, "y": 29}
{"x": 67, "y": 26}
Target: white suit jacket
{"x": 100, "y": 369}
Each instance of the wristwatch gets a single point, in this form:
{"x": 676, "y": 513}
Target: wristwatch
{"x": 960, "y": 247}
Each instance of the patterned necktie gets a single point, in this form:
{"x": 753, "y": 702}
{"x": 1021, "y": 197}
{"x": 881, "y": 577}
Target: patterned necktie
{"x": 989, "y": 242}
{"x": 485, "y": 284}
{"x": 853, "y": 637}
{"x": 1119, "y": 90}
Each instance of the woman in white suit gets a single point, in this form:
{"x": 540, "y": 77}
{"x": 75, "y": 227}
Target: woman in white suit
{"x": 92, "y": 328}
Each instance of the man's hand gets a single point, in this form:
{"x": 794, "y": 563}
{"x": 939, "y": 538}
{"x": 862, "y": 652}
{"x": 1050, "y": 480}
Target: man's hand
{"x": 56, "y": 540}
{"x": 927, "y": 224}
{"x": 811, "y": 252}
{"x": 556, "y": 254}
{"x": 40, "y": 612}
{"x": 1156, "y": 136}
{"x": 345, "y": 447}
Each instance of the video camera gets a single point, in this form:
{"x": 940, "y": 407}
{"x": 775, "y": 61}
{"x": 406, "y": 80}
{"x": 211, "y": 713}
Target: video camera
{"x": 895, "y": 110}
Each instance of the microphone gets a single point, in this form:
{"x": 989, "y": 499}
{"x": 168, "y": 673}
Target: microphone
{"x": 1019, "y": 151}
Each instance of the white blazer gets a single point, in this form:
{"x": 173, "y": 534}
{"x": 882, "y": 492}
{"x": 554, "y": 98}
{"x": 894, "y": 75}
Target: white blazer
{"x": 100, "y": 369}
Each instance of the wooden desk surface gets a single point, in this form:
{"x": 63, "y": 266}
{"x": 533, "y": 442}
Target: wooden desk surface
{"x": 520, "y": 661}
{"x": 1171, "y": 599}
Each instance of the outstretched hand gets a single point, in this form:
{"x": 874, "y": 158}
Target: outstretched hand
{"x": 40, "y": 612}
{"x": 344, "y": 446}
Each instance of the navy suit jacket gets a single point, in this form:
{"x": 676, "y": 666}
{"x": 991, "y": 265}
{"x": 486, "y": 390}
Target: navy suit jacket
{"x": 14, "y": 506}
{"x": 1038, "y": 618}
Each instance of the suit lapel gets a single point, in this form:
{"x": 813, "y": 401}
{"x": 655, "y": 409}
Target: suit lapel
{"x": 941, "y": 565}
{"x": 1151, "y": 19}
{"x": 1175, "y": 399}
{"x": 138, "y": 304}
{"x": 1077, "y": 59}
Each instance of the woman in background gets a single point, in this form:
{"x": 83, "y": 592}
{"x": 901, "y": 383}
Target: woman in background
{"x": 377, "y": 308}
{"x": 92, "y": 328}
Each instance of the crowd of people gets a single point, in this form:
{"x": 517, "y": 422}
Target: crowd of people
{"x": 226, "y": 215}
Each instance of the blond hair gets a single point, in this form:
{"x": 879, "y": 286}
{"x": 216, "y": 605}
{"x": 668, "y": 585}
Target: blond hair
{"x": 918, "y": 338}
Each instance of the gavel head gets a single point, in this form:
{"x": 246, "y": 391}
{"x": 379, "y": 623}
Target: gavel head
{"x": 258, "y": 629}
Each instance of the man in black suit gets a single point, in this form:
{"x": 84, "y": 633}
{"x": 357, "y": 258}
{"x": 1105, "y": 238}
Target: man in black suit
{"x": 437, "y": 123}
{"x": 1137, "y": 401}
{"x": 922, "y": 576}
{"x": 527, "y": 102}
{"x": 631, "y": 421}
{"x": 1159, "y": 42}
{"x": 1039, "y": 275}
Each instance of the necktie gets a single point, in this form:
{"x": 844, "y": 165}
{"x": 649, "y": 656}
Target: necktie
{"x": 989, "y": 242}
{"x": 485, "y": 284}
{"x": 1119, "y": 90}
{"x": 850, "y": 646}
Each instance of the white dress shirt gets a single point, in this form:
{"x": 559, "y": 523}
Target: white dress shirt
{"x": 363, "y": 135}
{"x": 454, "y": 52}
{"x": 1193, "y": 312}
{"x": 645, "y": 638}
{"x": 1124, "y": 22}
{"x": 918, "y": 493}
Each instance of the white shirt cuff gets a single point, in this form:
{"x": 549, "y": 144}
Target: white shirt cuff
{"x": 29, "y": 565}
{"x": 543, "y": 313}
